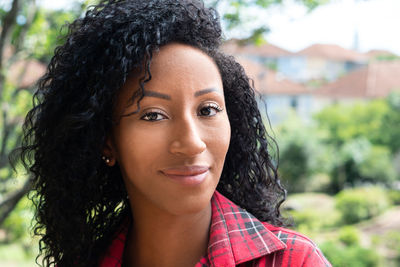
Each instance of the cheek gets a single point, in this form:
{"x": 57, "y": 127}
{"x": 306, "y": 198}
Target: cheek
{"x": 219, "y": 139}
{"x": 138, "y": 147}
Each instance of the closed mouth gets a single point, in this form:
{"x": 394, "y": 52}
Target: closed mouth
{"x": 187, "y": 175}
{"x": 183, "y": 171}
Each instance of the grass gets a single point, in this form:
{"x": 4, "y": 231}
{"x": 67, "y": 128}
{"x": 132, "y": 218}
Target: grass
{"x": 315, "y": 216}
{"x": 17, "y": 255}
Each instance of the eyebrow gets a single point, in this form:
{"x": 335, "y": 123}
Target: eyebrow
{"x": 156, "y": 94}
{"x": 168, "y": 97}
{"x": 205, "y": 91}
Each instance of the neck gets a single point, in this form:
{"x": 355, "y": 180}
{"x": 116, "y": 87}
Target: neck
{"x": 157, "y": 238}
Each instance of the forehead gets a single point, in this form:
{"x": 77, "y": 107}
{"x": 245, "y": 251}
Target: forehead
{"x": 182, "y": 62}
{"x": 177, "y": 65}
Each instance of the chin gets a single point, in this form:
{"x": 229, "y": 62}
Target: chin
{"x": 194, "y": 203}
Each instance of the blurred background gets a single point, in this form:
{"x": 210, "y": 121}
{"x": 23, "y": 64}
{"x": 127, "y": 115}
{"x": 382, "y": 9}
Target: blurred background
{"x": 327, "y": 72}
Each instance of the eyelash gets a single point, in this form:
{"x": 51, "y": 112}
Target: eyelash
{"x": 147, "y": 114}
{"x": 214, "y": 106}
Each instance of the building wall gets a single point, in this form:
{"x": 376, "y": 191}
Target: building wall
{"x": 279, "y": 107}
{"x": 303, "y": 69}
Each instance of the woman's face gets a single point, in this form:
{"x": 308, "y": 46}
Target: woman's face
{"x": 171, "y": 153}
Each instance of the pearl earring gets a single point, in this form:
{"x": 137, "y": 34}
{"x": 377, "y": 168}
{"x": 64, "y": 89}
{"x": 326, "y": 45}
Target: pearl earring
{"x": 106, "y": 159}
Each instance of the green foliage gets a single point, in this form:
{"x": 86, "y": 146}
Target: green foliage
{"x": 267, "y": 3}
{"x": 377, "y": 166}
{"x": 358, "y": 161}
{"x": 43, "y": 36}
{"x": 352, "y": 146}
{"x": 393, "y": 242}
{"x": 349, "y": 235}
{"x": 346, "y": 122}
{"x": 34, "y": 36}
{"x": 360, "y": 204}
{"x": 238, "y": 15}
{"x": 362, "y": 140}
{"x": 394, "y": 196}
{"x": 293, "y": 166}
{"x": 374, "y": 120}
{"x": 390, "y": 134}
{"x": 306, "y": 219}
{"x": 272, "y": 66}
{"x": 17, "y": 225}
{"x": 349, "y": 256}
{"x": 312, "y": 4}
{"x": 386, "y": 58}
{"x": 302, "y": 156}
{"x": 16, "y": 254}
{"x": 316, "y": 83}
{"x": 311, "y": 211}
{"x": 256, "y": 37}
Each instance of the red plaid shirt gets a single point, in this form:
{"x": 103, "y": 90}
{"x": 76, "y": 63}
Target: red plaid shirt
{"x": 237, "y": 238}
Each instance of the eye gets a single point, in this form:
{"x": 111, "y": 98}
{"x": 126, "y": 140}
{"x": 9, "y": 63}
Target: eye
{"x": 153, "y": 116}
{"x": 209, "y": 110}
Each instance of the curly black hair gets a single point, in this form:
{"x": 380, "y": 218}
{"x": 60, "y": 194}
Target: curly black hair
{"x": 80, "y": 202}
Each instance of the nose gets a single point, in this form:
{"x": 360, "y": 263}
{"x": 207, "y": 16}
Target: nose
{"x": 186, "y": 138}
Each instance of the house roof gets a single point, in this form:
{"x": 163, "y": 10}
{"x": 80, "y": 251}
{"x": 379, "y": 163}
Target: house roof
{"x": 332, "y": 52}
{"x": 376, "y": 53}
{"x": 269, "y": 82}
{"x": 266, "y": 50}
{"x": 376, "y": 80}
{"x": 25, "y": 73}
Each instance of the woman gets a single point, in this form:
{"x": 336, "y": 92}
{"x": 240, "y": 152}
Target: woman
{"x": 142, "y": 137}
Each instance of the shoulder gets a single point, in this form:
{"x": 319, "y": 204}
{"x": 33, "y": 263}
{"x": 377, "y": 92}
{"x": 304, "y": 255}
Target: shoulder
{"x": 300, "y": 250}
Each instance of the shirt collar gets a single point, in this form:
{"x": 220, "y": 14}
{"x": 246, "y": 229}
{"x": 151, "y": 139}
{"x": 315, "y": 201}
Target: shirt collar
{"x": 236, "y": 236}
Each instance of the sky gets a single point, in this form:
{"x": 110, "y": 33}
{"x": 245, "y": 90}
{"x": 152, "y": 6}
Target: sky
{"x": 293, "y": 28}
{"x": 377, "y": 23}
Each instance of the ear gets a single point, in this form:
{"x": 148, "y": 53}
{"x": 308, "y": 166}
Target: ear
{"x": 109, "y": 152}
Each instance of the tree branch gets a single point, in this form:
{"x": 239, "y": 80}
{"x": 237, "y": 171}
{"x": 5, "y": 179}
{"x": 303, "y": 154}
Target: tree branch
{"x": 8, "y": 205}
{"x": 32, "y": 10}
{"x": 7, "y": 25}
{"x": 5, "y": 134}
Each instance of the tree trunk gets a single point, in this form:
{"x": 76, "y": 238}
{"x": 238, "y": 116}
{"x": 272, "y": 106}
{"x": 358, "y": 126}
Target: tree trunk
{"x": 11, "y": 202}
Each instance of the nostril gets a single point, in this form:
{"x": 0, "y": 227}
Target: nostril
{"x": 187, "y": 137}
{"x": 188, "y": 147}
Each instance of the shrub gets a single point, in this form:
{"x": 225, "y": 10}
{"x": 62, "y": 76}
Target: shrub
{"x": 312, "y": 211}
{"x": 18, "y": 223}
{"x": 393, "y": 243}
{"x": 377, "y": 166}
{"x": 394, "y": 196}
{"x": 349, "y": 235}
{"x": 349, "y": 256}
{"x": 306, "y": 219}
{"x": 360, "y": 204}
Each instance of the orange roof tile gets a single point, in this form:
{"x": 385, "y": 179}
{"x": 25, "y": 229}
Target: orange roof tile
{"x": 332, "y": 52}
{"x": 269, "y": 82}
{"x": 266, "y": 50}
{"x": 376, "y": 80}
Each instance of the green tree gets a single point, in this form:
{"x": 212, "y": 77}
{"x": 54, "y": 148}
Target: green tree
{"x": 28, "y": 35}
{"x": 302, "y": 155}
{"x": 390, "y": 134}
{"x": 10, "y": 97}
{"x": 362, "y": 142}
{"x": 235, "y": 12}
{"x": 345, "y": 122}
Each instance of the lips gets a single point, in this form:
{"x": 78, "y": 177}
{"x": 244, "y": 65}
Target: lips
{"x": 187, "y": 175}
